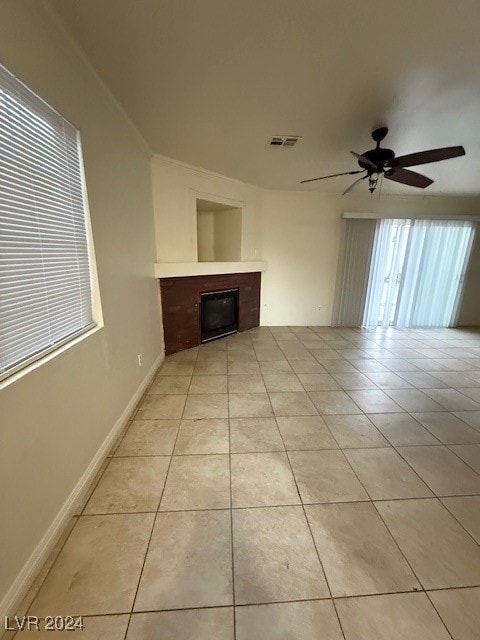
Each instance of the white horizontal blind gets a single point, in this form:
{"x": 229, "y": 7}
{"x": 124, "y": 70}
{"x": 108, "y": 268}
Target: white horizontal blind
{"x": 45, "y": 290}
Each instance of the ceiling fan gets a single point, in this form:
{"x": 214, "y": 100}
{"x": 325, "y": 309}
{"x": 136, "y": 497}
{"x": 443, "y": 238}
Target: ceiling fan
{"x": 379, "y": 161}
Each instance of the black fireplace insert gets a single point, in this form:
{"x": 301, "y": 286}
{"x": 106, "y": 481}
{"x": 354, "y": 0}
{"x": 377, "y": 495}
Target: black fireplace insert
{"x": 218, "y": 314}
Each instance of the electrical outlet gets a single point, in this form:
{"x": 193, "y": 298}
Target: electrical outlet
{"x": 139, "y": 358}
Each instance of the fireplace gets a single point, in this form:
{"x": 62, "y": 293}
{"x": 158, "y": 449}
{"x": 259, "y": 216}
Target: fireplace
{"x": 182, "y": 298}
{"x": 218, "y": 314}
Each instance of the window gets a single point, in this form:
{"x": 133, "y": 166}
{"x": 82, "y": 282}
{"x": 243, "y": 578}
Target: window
{"x": 45, "y": 275}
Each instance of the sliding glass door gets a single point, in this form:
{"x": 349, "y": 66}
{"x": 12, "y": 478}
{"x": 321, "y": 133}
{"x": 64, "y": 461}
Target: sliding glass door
{"x": 417, "y": 272}
{"x": 435, "y": 265}
{"x": 385, "y": 272}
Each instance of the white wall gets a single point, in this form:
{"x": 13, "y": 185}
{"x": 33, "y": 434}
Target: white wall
{"x": 54, "y": 419}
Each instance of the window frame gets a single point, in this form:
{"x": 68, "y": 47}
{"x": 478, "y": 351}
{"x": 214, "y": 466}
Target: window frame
{"x": 46, "y": 354}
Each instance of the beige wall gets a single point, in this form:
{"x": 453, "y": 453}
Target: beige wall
{"x": 228, "y": 235}
{"x": 469, "y": 315}
{"x": 175, "y": 189}
{"x": 54, "y": 419}
{"x": 297, "y": 233}
{"x": 219, "y": 235}
{"x": 300, "y": 242}
{"x": 301, "y": 235}
{"x": 206, "y": 236}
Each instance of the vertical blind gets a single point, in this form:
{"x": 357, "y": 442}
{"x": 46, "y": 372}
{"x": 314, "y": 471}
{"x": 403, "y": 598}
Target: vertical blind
{"x": 437, "y": 258}
{"x": 45, "y": 287}
{"x": 417, "y": 272}
{"x": 353, "y": 270}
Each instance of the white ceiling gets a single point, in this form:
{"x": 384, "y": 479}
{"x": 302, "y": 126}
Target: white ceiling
{"x": 209, "y": 81}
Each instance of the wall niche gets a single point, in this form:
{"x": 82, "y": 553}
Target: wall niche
{"x": 219, "y": 232}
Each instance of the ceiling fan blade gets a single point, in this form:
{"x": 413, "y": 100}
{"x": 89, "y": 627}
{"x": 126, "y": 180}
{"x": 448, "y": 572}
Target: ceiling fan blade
{"x": 365, "y": 160}
{"x": 353, "y": 185}
{"x": 424, "y": 157}
{"x": 333, "y": 175}
{"x": 404, "y": 176}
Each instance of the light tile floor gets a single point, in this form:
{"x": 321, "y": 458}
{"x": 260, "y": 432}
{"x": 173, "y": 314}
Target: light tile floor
{"x": 287, "y": 483}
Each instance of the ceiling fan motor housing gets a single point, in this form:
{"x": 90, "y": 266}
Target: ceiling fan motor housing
{"x": 379, "y": 157}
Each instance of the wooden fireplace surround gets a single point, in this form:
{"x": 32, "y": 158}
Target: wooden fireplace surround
{"x": 181, "y": 305}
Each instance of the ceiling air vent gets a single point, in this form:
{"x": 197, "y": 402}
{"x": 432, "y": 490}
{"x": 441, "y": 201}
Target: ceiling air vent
{"x": 283, "y": 141}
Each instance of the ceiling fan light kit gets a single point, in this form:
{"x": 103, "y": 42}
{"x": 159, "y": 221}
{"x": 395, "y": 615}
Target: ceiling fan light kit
{"x": 382, "y": 162}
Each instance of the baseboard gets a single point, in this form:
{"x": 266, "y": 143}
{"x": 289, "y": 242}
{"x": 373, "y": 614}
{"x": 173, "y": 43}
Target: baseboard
{"x": 14, "y": 596}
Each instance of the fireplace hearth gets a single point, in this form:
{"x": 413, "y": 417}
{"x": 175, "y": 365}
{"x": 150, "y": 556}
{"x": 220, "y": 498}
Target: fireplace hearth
{"x": 218, "y": 314}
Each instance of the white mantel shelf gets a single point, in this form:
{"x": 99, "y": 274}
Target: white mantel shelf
{"x": 182, "y": 269}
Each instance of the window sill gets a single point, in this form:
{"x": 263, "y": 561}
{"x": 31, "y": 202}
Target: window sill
{"x": 49, "y": 356}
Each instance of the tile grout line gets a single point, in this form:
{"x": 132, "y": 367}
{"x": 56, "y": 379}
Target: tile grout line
{"x": 438, "y": 498}
{"x": 423, "y": 589}
{"x": 153, "y": 525}
{"x": 365, "y": 413}
{"x": 417, "y": 475}
{"x": 449, "y": 447}
{"x": 231, "y": 506}
{"x": 372, "y": 502}
{"x": 263, "y": 603}
{"x": 477, "y": 542}
{"x": 386, "y": 445}
{"x": 275, "y": 506}
{"x": 268, "y": 602}
{"x": 309, "y": 528}
{"x": 440, "y": 444}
